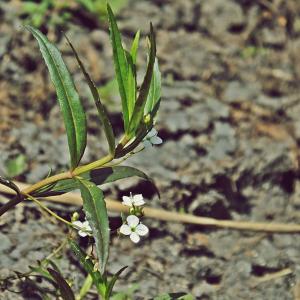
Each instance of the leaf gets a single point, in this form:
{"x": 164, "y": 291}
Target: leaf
{"x": 88, "y": 266}
{"x": 99, "y": 177}
{"x": 155, "y": 89}
{"x": 121, "y": 66}
{"x": 85, "y": 287}
{"x": 41, "y": 271}
{"x": 131, "y": 84}
{"x": 134, "y": 46}
{"x": 144, "y": 90}
{"x": 16, "y": 166}
{"x": 109, "y": 133}
{"x": 68, "y": 98}
{"x": 96, "y": 214}
{"x": 64, "y": 288}
{"x": 112, "y": 282}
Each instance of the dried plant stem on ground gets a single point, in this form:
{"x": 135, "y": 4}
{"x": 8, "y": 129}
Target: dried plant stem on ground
{"x": 160, "y": 214}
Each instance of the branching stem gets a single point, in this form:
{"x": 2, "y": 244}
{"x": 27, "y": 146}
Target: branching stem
{"x": 52, "y": 179}
{"x": 49, "y": 211}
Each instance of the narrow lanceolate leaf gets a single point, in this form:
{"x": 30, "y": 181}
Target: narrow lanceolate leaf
{"x": 131, "y": 84}
{"x": 138, "y": 111}
{"x": 120, "y": 62}
{"x": 99, "y": 177}
{"x": 64, "y": 288}
{"x": 100, "y": 107}
{"x": 96, "y": 213}
{"x": 131, "y": 79}
{"x": 134, "y": 47}
{"x": 68, "y": 98}
{"x": 155, "y": 89}
{"x": 113, "y": 282}
{"x": 86, "y": 263}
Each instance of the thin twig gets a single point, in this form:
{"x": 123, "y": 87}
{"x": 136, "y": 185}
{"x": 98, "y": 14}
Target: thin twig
{"x": 57, "y": 250}
{"x": 49, "y": 211}
{"x": 160, "y": 214}
{"x": 272, "y": 276}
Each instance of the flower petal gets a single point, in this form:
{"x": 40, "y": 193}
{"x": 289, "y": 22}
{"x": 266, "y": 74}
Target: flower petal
{"x": 151, "y": 133}
{"x": 132, "y": 221}
{"x": 156, "y": 140}
{"x": 142, "y": 229}
{"x": 147, "y": 144}
{"x": 86, "y": 226}
{"x": 134, "y": 237}
{"x": 78, "y": 224}
{"x": 127, "y": 201}
{"x": 125, "y": 229}
{"x": 138, "y": 200}
{"x": 82, "y": 233}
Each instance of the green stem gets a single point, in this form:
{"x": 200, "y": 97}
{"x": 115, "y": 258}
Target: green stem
{"x": 49, "y": 211}
{"x": 94, "y": 165}
{"x": 57, "y": 250}
{"x": 55, "y": 178}
{"x": 46, "y": 181}
{"x": 85, "y": 287}
{"x": 125, "y": 158}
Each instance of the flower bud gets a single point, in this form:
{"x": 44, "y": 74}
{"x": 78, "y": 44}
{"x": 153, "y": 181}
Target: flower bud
{"x": 75, "y": 216}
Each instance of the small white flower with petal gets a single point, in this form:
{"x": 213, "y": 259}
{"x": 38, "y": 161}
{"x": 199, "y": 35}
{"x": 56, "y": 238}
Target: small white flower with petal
{"x": 152, "y": 139}
{"x": 134, "y": 228}
{"x": 135, "y": 200}
{"x": 84, "y": 228}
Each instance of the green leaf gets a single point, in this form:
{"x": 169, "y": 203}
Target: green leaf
{"x": 41, "y": 271}
{"x": 99, "y": 177}
{"x": 100, "y": 107}
{"x": 16, "y": 166}
{"x": 68, "y": 98}
{"x": 141, "y": 132}
{"x": 64, "y": 288}
{"x": 155, "y": 89}
{"x": 134, "y": 46}
{"x": 121, "y": 66}
{"x": 86, "y": 262}
{"x": 85, "y": 287}
{"x": 131, "y": 84}
{"x": 96, "y": 214}
{"x": 113, "y": 281}
{"x": 138, "y": 112}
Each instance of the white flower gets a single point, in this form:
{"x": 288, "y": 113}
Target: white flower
{"x": 152, "y": 139}
{"x": 135, "y": 200}
{"x": 84, "y": 228}
{"x": 134, "y": 228}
